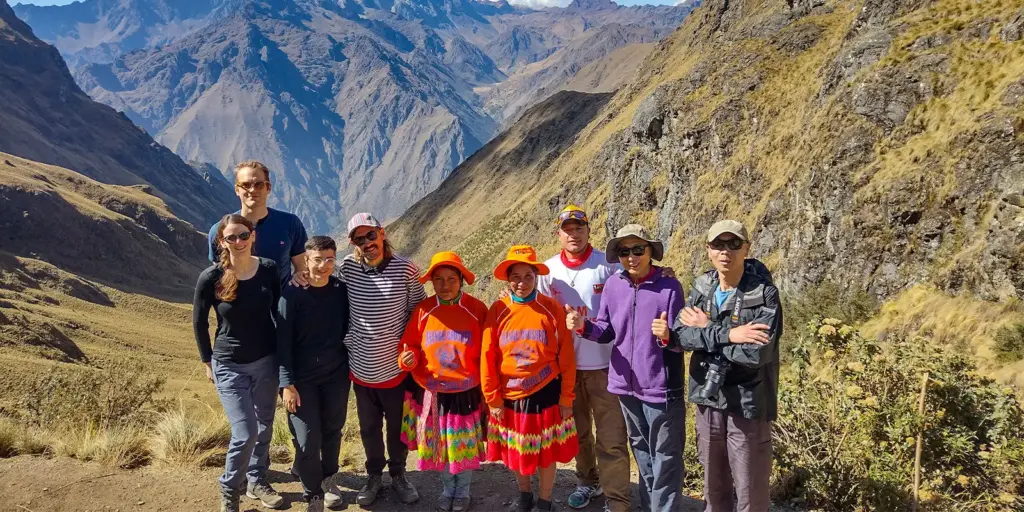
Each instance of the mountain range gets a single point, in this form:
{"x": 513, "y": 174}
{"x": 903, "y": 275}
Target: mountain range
{"x": 874, "y": 148}
{"x": 355, "y": 104}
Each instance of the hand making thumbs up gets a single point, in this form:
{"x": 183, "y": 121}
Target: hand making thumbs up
{"x": 660, "y": 327}
{"x": 573, "y": 320}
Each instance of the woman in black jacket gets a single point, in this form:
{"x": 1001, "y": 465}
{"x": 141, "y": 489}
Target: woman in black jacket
{"x": 244, "y": 291}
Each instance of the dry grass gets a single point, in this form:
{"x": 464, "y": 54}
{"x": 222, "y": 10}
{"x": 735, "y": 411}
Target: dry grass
{"x": 189, "y": 438}
{"x": 123, "y": 447}
{"x": 962, "y": 321}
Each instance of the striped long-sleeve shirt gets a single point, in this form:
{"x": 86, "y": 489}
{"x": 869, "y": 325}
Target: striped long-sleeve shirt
{"x": 381, "y": 300}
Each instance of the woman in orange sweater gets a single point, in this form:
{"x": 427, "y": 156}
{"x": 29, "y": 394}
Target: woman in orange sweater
{"x": 528, "y": 373}
{"x": 441, "y": 347}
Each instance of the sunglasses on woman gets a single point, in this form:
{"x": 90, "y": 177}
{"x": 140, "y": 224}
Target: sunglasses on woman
{"x": 733, "y": 244}
{"x": 359, "y": 241}
{"x": 252, "y": 185}
{"x": 231, "y": 239}
{"x": 636, "y": 250}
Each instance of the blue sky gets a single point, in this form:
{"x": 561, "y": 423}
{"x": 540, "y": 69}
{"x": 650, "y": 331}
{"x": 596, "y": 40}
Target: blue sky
{"x": 527, "y": 2}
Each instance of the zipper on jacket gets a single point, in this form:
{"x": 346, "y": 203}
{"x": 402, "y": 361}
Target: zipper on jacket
{"x": 632, "y": 347}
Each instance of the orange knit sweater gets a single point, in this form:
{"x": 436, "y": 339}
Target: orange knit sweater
{"x": 446, "y": 340}
{"x": 526, "y": 346}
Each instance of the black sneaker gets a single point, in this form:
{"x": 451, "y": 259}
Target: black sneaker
{"x": 265, "y": 493}
{"x": 526, "y": 502}
{"x": 368, "y": 494}
{"x": 228, "y": 501}
{"x": 315, "y": 505}
{"x": 406, "y": 492}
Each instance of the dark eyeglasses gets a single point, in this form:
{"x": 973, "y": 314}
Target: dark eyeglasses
{"x": 572, "y": 215}
{"x": 252, "y": 185}
{"x": 360, "y": 241}
{"x": 231, "y": 239}
{"x": 636, "y": 250}
{"x": 733, "y": 244}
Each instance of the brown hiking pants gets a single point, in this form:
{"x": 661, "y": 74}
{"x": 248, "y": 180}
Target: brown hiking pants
{"x": 736, "y": 452}
{"x": 608, "y": 464}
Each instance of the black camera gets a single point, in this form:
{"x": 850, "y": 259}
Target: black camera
{"x": 717, "y": 366}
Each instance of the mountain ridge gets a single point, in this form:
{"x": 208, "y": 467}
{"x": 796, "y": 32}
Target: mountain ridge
{"x": 355, "y": 106}
{"x": 47, "y": 118}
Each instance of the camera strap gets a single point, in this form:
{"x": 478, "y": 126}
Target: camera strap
{"x": 737, "y": 301}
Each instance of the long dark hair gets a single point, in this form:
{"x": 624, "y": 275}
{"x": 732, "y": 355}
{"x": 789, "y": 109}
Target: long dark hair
{"x": 227, "y": 286}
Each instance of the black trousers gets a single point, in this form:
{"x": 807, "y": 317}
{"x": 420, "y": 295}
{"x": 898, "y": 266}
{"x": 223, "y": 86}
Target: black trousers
{"x": 316, "y": 429}
{"x": 376, "y": 406}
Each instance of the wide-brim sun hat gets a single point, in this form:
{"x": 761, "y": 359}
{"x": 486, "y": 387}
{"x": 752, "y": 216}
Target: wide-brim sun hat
{"x": 633, "y": 231}
{"x": 520, "y": 254}
{"x": 447, "y": 259}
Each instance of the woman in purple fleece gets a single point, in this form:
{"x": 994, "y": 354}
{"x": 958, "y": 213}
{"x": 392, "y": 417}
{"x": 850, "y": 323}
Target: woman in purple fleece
{"x": 646, "y": 376}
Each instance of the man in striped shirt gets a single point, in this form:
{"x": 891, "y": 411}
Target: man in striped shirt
{"x": 383, "y": 289}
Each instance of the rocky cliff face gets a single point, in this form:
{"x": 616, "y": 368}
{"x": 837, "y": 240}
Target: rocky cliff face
{"x": 360, "y": 105}
{"x": 44, "y": 116}
{"x": 874, "y": 144}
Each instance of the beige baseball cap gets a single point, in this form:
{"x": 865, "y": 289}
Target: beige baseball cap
{"x": 728, "y": 226}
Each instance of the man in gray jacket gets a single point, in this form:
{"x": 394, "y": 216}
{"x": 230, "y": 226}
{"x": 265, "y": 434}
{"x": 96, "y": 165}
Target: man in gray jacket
{"x": 732, "y": 324}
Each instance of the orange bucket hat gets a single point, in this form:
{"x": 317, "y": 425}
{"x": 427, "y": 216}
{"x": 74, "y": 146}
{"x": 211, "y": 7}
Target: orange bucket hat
{"x": 519, "y": 254}
{"x": 447, "y": 259}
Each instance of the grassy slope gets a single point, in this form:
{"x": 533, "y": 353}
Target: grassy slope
{"x": 792, "y": 121}
{"x": 84, "y": 281}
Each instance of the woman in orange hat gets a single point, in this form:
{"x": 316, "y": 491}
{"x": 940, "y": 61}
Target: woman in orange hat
{"x": 441, "y": 347}
{"x": 528, "y": 375}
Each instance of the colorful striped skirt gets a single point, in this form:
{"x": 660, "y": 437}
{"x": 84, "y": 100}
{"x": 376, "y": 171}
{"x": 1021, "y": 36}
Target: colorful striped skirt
{"x": 445, "y": 429}
{"x": 532, "y": 433}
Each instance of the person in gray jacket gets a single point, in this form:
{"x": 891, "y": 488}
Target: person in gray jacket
{"x": 732, "y": 324}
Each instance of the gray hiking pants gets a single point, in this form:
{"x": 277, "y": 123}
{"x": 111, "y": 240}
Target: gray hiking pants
{"x": 248, "y": 393}
{"x": 735, "y": 452}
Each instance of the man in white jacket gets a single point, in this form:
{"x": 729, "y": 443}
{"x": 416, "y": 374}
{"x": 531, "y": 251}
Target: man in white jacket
{"x": 576, "y": 281}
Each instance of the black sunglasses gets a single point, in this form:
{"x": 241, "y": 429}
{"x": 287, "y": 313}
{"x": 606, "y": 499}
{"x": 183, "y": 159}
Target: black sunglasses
{"x": 235, "y": 238}
{"x": 733, "y": 244}
{"x": 636, "y": 250}
{"x": 252, "y": 185}
{"x": 359, "y": 241}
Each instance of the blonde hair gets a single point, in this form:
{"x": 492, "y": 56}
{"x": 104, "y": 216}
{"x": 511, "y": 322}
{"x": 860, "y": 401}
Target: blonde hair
{"x": 255, "y": 165}
{"x": 226, "y": 289}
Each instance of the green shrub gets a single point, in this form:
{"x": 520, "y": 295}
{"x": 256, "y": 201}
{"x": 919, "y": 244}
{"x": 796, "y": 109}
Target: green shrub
{"x": 846, "y": 434}
{"x": 120, "y": 396}
{"x": 1009, "y": 344}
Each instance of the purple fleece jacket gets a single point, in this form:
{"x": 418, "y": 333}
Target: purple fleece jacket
{"x": 640, "y": 365}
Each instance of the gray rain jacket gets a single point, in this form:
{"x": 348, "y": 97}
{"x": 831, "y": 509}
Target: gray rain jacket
{"x": 752, "y": 383}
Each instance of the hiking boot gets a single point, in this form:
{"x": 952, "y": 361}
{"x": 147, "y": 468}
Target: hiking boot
{"x": 526, "y": 502}
{"x": 229, "y": 502}
{"x": 368, "y": 494}
{"x": 332, "y": 495}
{"x": 265, "y": 493}
{"x": 460, "y": 504}
{"x": 444, "y": 503}
{"x": 315, "y": 505}
{"x": 406, "y": 492}
{"x": 583, "y": 494}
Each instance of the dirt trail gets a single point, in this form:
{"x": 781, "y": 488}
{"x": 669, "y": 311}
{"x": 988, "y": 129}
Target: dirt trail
{"x": 38, "y": 484}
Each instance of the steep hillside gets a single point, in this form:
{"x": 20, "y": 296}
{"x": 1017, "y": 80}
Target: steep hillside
{"x": 874, "y": 145}
{"x": 45, "y": 117}
{"x": 355, "y": 105}
{"x": 90, "y": 274}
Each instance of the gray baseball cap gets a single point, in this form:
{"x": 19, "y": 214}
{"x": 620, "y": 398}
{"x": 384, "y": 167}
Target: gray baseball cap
{"x": 728, "y": 226}
{"x": 637, "y": 231}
